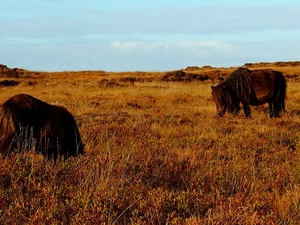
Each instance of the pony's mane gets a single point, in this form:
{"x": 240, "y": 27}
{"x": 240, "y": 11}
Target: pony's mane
{"x": 239, "y": 84}
{"x": 236, "y": 88}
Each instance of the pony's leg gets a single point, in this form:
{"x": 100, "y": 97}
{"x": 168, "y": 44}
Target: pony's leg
{"x": 236, "y": 110}
{"x": 247, "y": 110}
{"x": 271, "y": 108}
{"x": 274, "y": 110}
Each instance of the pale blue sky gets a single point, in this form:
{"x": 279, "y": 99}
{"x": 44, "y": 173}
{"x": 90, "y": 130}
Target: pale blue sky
{"x": 140, "y": 35}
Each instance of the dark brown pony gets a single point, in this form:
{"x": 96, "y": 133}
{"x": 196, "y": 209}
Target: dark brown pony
{"x": 27, "y": 123}
{"x": 250, "y": 87}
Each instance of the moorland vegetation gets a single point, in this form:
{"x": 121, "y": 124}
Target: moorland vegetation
{"x": 155, "y": 153}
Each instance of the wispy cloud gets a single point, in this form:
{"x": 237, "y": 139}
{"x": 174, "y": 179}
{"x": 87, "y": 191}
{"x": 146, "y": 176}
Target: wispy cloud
{"x": 212, "y": 45}
{"x": 138, "y": 45}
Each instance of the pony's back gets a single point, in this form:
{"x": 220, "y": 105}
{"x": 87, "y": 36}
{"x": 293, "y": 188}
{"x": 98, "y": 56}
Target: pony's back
{"x": 52, "y": 129}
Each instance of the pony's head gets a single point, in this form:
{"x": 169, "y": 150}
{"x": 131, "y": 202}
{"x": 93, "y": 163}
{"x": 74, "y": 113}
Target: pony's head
{"x": 219, "y": 99}
{"x": 224, "y": 99}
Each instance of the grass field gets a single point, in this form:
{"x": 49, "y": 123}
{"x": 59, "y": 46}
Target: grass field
{"x": 156, "y": 154}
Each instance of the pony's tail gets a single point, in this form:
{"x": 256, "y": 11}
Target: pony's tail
{"x": 282, "y": 94}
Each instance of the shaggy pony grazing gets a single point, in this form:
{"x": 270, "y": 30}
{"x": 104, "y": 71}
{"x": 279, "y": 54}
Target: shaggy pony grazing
{"x": 27, "y": 123}
{"x": 250, "y": 87}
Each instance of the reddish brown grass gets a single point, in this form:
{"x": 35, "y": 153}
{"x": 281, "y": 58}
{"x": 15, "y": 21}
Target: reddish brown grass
{"x": 156, "y": 154}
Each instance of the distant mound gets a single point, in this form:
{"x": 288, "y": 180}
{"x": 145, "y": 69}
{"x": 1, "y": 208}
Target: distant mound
{"x": 7, "y": 72}
{"x": 192, "y": 68}
{"x": 275, "y": 64}
{"x": 180, "y": 75}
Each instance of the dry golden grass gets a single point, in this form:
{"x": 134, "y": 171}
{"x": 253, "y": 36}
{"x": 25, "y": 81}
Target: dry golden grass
{"x": 156, "y": 154}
